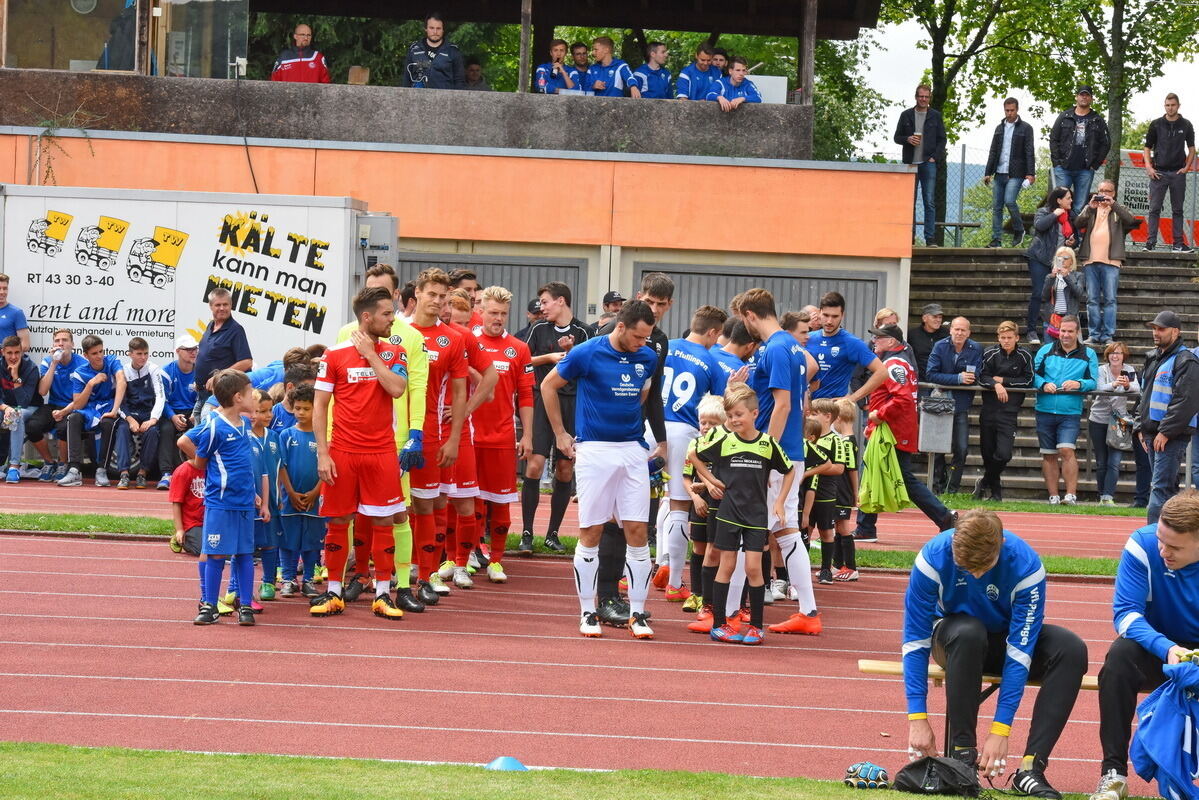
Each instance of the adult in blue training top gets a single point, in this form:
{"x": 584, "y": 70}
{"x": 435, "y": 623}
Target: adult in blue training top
{"x": 696, "y": 78}
{"x": 976, "y": 601}
{"x": 838, "y": 352}
{"x": 736, "y": 89}
{"x": 653, "y": 78}
{"x": 555, "y": 75}
{"x": 608, "y": 76}
{"x": 613, "y": 374}
{"x": 1155, "y": 611}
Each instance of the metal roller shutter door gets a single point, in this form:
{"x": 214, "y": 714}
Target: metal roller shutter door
{"x": 521, "y": 276}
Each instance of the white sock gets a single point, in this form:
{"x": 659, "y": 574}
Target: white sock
{"x": 382, "y": 588}
{"x": 736, "y": 586}
{"x": 586, "y": 574}
{"x": 663, "y": 532}
{"x": 636, "y": 566}
{"x": 799, "y": 570}
{"x": 335, "y": 587}
{"x": 677, "y": 535}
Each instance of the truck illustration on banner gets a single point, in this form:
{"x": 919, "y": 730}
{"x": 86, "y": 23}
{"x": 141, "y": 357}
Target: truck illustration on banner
{"x": 99, "y": 245}
{"x": 154, "y": 260}
{"x": 48, "y": 233}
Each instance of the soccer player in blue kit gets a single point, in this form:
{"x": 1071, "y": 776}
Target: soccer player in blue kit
{"x": 838, "y": 352}
{"x": 613, "y": 373}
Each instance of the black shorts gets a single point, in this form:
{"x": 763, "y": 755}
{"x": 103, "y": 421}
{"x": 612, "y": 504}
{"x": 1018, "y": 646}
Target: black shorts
{"x": 730, "y": 536}
{"x": 824, "y": 515}
{"x": 701, "y": 530}
{"x": 543, "y": 434}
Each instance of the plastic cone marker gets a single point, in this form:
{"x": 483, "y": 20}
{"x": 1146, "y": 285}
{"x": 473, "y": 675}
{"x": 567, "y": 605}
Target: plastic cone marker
{"x": 507, "y": 764}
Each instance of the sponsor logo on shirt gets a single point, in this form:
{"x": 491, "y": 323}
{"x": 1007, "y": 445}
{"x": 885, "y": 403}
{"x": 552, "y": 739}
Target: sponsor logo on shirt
{"x": 360, "y": 374}
{"x": 322, "y": 368}
{"x": 500, "y": 366}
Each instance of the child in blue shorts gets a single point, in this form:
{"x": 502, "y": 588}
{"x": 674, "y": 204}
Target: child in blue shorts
{"x": 268, "y": 530}
{"x": 233, "y": 491}
{"x": 303, "y": 526}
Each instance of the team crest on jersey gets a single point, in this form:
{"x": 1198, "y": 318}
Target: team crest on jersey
{"x": 443, "y": 341}
{"x": 197, "y": 487}
{"x": 214, "y": 540}
{"x": 510, "y": 352}
{"x": 992, "y": 592}
{"x": 312, "y": 446}
{"x": 639, "y": 369}
{"x": 387, "y": 355}
{"x": 898, "y": 374}
{"x": 835, "y": 350}
{"x": 477, "y": 330}
{"x": 395, "y": 340}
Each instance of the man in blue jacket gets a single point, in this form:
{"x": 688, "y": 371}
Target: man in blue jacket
{"x": 976, "y": 604}
{"x": 1063, "y": 371}
{"x": 653, "y": 78}
{"x": 921, "y": 131}
{"x": 1155, "y": 611}
{"x": 695, "y": 78}
{"x": 955, "y": 361}
{"x": 736, "y": 89}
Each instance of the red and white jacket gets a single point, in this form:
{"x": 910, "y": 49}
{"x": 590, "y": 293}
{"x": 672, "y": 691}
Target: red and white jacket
{"x": 895, "y": 401}
{"x": 301, "y": 66}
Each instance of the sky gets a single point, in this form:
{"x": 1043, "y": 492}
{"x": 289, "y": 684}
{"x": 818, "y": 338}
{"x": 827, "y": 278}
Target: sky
{"x": 897, "y": 70}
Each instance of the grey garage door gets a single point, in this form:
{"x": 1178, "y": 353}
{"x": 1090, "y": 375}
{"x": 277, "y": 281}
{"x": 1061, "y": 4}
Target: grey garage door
{"x": 697, "y": 285}
{"x": 521, "y": 276}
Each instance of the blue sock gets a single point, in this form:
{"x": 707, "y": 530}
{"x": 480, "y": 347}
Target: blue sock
{"x": 233, "y": 583}
{"x": 311, "y": 559}
{"x": 290, "y": 559}
{"x": 212, "y": 578}
{"x": 202, "y": 568}
{"x": 270, "y": 564}
{"x": 243, "y": 568}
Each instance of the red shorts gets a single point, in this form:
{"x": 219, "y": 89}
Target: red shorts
{"x": 366, "y": 483}
{"x": 426, "y": 481}
{"x": 497, "y": 473}
{"x": 464, "y": 481}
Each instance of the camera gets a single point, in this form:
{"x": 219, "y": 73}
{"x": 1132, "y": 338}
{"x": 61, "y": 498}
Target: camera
{"x": 1099, "y": 198}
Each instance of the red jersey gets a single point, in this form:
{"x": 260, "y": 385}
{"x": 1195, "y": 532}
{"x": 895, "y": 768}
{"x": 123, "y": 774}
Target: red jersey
{"x": 447, "y": 360}
{"x": 493, "y": 421}
{"x": 363, "y": 412}
{"x": 895, "y": 401}
{"x": 187, "y": 489}
{"x": 477, "y": 360}
{"x": 476, "y": 322}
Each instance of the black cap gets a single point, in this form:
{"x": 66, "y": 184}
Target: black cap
{"x": 1166, "y": 319}
{"x": 894, "y": 331}
{"x": 933, "y": 308}
{"x": 534, "y": 306}
{"x": 614, "y": 297}
{"x": 1085, "y": 90}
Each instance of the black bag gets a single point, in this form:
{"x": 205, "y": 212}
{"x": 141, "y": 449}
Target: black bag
{"x": 935, "y": 775}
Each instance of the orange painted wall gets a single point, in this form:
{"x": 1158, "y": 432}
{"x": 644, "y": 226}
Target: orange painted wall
{"x": 508, "y": 199}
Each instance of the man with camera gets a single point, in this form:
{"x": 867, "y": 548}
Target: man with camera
{"x": 432, "y": 62}
{"x": 1105, "y": 223}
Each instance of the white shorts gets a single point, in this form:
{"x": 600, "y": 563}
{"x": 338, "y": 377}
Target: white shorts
{"x": 613, "y": 482}
{"x": 790, "y": 505}
{"x": 679, "y": 436}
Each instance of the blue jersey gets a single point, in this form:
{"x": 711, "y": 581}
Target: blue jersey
{"x": 609, "y": 384}
{"x": 655, "y": 84}
{"x": 261, "y": 378}
{"x": 689, "y": 373}
{"x": 693, "y": 84}
{"x": 12, "y": 319}
{"x": 180, "y": 387}
{"x": 100, "y": 401}
{"x": 62, "y": 390}
{"x": 298, "y": 457}
{"x": 268, "y": 451}
{"x": 837, "y": 355}
{"x": 782, "y": 365}
{"x": 617, "y": 77}
{"x": 729, "y": 363}
{"x": 1010, "y": 597}
{"x": 548, "y": 83}
{"x": 724, "y": 87}
{"x": 231, "y": 482}
{"x": 281, "y": 418}
{"x": 1154, "y": 606}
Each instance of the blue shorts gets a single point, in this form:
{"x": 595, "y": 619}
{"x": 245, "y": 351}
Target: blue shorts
{"x": 1057, "y": 431}
{"x": 302, "y": 532}
{"x": 228, "y": 533}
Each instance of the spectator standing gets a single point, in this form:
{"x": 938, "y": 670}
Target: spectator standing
{"x": 55, "y": 384}
{"x": 19, "y": 399}
{"x": 1169, "y": 152}
{"x": 653, "y": 78}
{"x": 555, "y": 75}
{"x": 921, "y": 131}
{"x": 223, "y": 346}
{"x": 475, "y": 82}
{"x": 609, "y": 76}
{"x": 12, "y": 319}
{"x": 955, "y": 361}
{"x": 1004, "y": 367}
{"x": 1011, "y": 165}
{"x": 1078, "y": 145}
{"x": 924, "y": 336}
{"x": 1106, "y": 222}
{"x": 302, "y": 63}
{"x": 694, "y": 78}
{"x": 1167, "y": 422}
{"x": 1114, "y": 376}
{"x": 1063, "y": 370}
{"x": 179, "y": 382}
{"x": 736, "y": 89}
{"x": 1053, "y": 227}
{"x": 433, "y": 62}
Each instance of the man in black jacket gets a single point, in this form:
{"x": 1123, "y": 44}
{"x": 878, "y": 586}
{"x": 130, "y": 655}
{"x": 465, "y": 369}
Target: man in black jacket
{"x": 922, "y": 337}
{"x": 1012, "y": 166}
{"x": 1078, "y": 146}
{"x": 432, "y": 62}
{"x": 921, "y": 131}
{"x": 1169, "y": 151}
{"x": 1166, "y": 420}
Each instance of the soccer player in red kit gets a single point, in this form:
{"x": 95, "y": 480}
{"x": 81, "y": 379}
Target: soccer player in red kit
{"x": 357, "y": 458}
{"x": 448, "y": 374}
{"x": 496, "y": 447}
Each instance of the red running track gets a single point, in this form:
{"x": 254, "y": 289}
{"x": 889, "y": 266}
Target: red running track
{"x": 1050, "y": 534}
{"x": 110, "y": 657}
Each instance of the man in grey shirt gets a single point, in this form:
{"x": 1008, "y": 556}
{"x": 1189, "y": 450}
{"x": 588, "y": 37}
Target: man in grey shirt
{"x": 921, "y": 131}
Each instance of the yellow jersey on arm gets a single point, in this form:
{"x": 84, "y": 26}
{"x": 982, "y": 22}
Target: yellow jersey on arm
{"x": 409, "y": 406}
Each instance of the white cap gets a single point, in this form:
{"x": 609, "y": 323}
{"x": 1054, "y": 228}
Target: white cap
{"x": 186, "y": 342}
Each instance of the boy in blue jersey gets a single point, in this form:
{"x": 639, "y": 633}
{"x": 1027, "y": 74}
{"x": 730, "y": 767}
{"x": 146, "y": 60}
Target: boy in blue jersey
{"x": 98, "y": 390}
{"x": 299, "y": 506}
{"x": 780, "y": 380}
{"x": 653, "y": 78}
{"x": 609, "y": 76}
{"x": 179, "y": 381}
{"x": 555, "y": 75}
{"x": 303, "y": 374}
{"x": 233, "y": 491}
{"x": 695, "y": 79}
{"x": 976, "y": 603}
{"x": 268, "y": 529}
{"x": 1156, "y": 616}
{"x": 613, "y": 375}
{"x": 838, "y": 352}
{"x": 55, "y": 384}
{"x": 735, "y": 90}
{"x": 145, "y": 400}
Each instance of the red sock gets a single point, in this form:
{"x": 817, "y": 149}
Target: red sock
{"x": 384, "y": 551}
{"x": 451, "y": 535}
{"x": 480, "y": 518}
{"x": 501, "y": 521}
{"x": 337, "y": 540}
{"x": 424, "y": 545}
{"x": 364, "y": 528}
{"x": 468, "y": 537}
{"x": 439, "y": 521}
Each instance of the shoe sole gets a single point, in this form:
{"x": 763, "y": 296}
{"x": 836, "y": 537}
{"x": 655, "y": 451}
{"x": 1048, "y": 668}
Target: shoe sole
{"x": 325, "y": 613}
{"x": 636, "y": 635}
{"x": 497, "y": 580}
{"x": 246, "y": 624}
{"x": 392, "y": 617}
{"x": 796, "y": 633}
{"x": 595, "y": 635}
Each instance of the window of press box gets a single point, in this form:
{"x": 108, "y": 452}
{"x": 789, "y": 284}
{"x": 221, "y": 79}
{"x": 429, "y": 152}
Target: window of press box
{"x": 180, "y": 38}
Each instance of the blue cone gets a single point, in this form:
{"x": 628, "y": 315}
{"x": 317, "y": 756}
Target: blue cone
{"x": 507, "y": 764}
